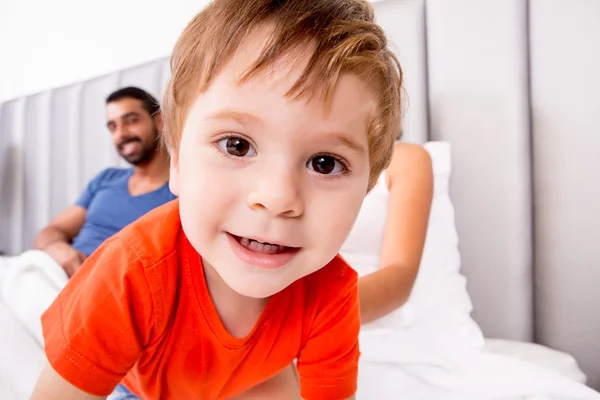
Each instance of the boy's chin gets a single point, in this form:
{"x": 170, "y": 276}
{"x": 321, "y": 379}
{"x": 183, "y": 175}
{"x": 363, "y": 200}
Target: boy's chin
{"x": 254, "y": 289}
{"x": 257, "y": 292}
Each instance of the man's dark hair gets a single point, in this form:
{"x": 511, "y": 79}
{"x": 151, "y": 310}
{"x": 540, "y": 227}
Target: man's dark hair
{"x": 149, "y": 103}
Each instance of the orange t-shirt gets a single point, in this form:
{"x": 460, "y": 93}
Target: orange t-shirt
{"x": 139, "y": 312}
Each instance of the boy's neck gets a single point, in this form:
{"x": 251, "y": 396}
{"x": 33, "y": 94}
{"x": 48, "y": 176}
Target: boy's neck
{"x": 237, "y": 313}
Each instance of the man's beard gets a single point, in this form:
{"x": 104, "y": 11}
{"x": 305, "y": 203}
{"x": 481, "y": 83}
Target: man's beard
{"x": 146, "y": 153}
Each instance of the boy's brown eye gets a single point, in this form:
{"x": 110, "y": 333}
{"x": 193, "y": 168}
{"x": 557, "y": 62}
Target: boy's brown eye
{"x": 323, "y": 164}
{"x": 236, "y": 146}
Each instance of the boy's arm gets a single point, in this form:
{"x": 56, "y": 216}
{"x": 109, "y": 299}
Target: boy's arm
{"x": 52, "y": 386}
{"x": 283, "y": 386}
{"x": 96, "y": 329}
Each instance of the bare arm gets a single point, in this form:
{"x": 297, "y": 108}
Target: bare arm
{"x": 56, "y": 238}
{"x": 52, "y": 386}
{"x": 410, "y": 182}
{"x": 283, "y": 386}
{"x": 64, "y": 227}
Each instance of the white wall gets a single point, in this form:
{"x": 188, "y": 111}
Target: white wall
{"x": 45, "y": 44}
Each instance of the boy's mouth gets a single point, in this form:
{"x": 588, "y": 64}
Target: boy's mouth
{"x": 262, "y": 247}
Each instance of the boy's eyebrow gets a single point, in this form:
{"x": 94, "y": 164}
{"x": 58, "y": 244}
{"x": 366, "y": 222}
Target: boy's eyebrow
{"x": 246, "y": 118}
{"x": 238, "y": 116}
{"x": 343, "y": 140}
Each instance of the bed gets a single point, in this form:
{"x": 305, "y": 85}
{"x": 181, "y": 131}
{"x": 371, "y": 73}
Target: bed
{"x": 508, "y": 84}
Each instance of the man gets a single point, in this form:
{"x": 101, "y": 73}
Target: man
{"x": 116, "y": 197}
{"x": 112, "y": 200}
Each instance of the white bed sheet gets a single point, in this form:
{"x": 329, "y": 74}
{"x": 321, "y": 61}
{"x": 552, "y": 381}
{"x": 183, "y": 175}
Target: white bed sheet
{"x": 398, "y": 366}
{"x": 539, "y": 355}
{"x": 383, "y": 381}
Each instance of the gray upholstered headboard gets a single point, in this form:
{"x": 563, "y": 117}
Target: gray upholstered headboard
{"x": 513, "y": 86}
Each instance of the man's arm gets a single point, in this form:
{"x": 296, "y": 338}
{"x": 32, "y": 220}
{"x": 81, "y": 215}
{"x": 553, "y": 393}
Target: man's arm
{"x": 56, "y": 238}
{"x": 63, "y": 228}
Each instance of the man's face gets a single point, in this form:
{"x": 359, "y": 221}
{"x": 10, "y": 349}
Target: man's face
{"x": 133, "y": 130}
{"x": 269, "y": 187}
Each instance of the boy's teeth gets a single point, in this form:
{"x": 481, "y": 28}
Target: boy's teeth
{"x": 261, "y": 247}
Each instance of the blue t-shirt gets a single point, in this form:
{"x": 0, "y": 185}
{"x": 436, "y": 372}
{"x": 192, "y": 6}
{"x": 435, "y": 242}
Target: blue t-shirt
{"x": 110, "y": 207}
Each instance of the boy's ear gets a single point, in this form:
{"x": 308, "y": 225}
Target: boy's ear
{"x": 174, "y": 172}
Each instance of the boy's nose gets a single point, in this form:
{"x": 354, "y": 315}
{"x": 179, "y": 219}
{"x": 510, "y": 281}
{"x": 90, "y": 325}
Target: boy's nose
{"x": 278, "y": 194}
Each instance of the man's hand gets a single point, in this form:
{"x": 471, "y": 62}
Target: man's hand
{"x": 66, "y": 256}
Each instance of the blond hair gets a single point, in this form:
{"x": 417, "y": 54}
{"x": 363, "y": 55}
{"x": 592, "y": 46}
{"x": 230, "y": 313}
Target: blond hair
{"x": 345, "y": 39}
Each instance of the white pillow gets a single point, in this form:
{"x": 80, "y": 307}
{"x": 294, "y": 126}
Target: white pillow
{"x": 439, "y": 280}
{"x": 439, "y": 297}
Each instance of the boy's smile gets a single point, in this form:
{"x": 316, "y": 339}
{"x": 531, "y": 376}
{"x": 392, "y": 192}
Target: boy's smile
{"x": 261, "y": 253}
{"x": 270, "y": 185}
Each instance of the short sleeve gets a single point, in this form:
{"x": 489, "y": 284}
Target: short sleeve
{"x": 96, "y": 329}
{"x": 328, "y": 362}
{"x": 91, "y": 189}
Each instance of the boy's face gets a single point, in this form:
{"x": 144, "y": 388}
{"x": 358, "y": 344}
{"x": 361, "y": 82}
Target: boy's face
{"x": 256, "y": 166}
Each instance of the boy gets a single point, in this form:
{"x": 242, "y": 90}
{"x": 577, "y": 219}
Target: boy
{"x": 280, "y": 116}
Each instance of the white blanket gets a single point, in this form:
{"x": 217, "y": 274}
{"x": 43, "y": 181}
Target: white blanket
{"x": 21, "y": 357}
{"x": 30, "y": 282}
{"x": 28, "y": 285}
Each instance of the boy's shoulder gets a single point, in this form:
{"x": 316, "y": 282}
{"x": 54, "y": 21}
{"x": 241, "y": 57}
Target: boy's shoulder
{"x": 154, "y": 236}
